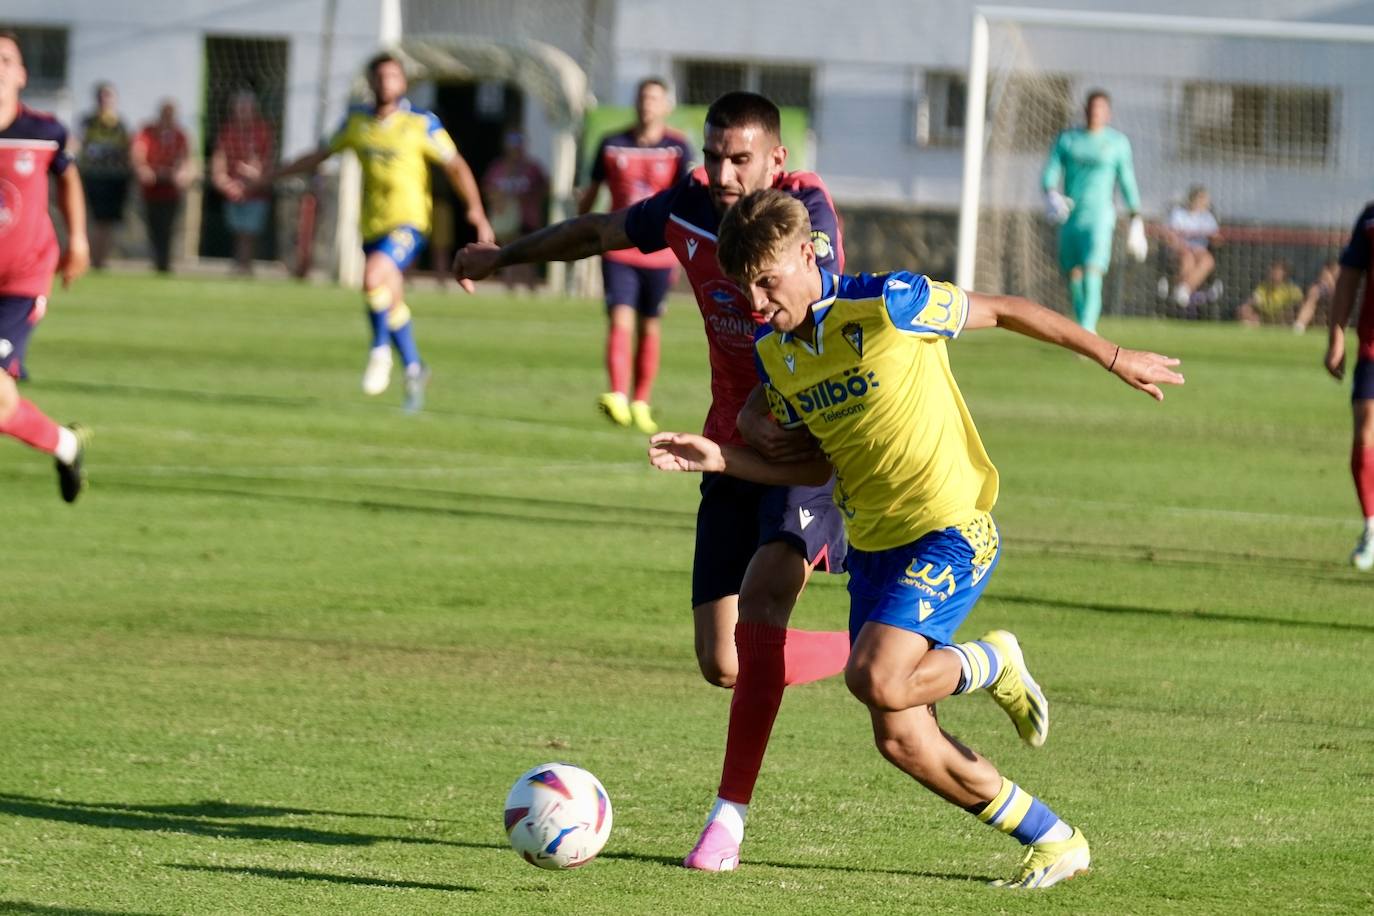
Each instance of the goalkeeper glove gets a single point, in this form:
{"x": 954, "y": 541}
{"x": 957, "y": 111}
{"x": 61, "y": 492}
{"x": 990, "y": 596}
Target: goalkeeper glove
{"x": 1057, "y": 207}
{"x": 1136, "y": 246}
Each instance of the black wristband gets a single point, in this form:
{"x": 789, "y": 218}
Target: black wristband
{"x": 1112, "y": 365}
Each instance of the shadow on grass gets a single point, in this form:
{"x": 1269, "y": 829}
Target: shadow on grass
{"x": 24, "y": 908}
{"x": 586, "y": 513}
{"x": 1180, "y": 614}
{"x": 225, "y": 809}
{"x": 281, "y": 874}
{"x": 128, "y": 817}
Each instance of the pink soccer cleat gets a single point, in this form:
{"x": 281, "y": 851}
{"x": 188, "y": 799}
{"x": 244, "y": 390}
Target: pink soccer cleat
{"x": 715, "y": 851}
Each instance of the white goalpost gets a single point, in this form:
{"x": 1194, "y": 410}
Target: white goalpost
{"x": 1274, "y": 119}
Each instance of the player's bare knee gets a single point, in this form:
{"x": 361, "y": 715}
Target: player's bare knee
{"x": 874, "y": 689}
{"x": 717, "y": 671}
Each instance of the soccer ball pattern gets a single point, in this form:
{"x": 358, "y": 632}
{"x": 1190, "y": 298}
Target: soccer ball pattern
{"x": 558, "y": 816}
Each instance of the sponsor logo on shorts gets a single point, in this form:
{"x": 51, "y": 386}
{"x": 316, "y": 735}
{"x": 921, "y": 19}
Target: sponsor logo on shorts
{"x": 939, "y": 586}
{"x": 692, "y": 248}
{"x": 6, "y": 348}
{"x": 806, "y": 517}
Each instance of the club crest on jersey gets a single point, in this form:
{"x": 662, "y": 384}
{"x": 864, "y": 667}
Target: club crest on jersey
{"x": 821, "y": 242}
{"x": 23, "y": 162}
{"x": 853, "y": 334}
{"x": 691, "y": 248}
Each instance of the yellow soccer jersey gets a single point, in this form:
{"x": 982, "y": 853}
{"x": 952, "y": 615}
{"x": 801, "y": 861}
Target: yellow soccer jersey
{"x": 878, "y": 393}
{"x": 395, "y": 153}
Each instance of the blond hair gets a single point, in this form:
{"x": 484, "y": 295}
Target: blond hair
{"x": 758, "y": 228}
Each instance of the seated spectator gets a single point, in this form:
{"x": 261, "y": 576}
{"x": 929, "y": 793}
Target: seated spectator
{"x": 1189, "y": 234}
{"x": 1318, "y": 294}
{"x": 1273, "y": 301}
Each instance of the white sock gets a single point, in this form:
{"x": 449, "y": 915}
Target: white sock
{"x": 1060, "y": 831}
{"x": 375, "y": 352}
{"x": 1369, "y": 526}
{"x": 729, "y": 815}
{"x": 67, "y": 445}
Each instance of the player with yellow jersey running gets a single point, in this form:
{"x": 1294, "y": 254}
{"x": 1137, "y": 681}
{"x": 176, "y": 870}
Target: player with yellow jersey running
{"x": 395, "y": 144}
{"x": 861, "y": 363}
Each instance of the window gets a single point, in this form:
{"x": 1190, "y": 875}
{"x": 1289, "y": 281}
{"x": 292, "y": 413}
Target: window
{"x": 45, "y": 56}
{"x": 701, "y": 82}
{"x": 1270, "y": 124}
{"x": 939, "y": 110}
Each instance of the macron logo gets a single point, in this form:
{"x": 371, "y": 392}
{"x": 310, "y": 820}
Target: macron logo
{"x": 691, "y": 249}
{"x": 806, "y": 518}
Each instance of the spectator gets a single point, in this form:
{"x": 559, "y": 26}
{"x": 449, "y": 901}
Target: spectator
{"x": 104, "y": 166}
{"x": 1319, "y": 293}
{"x": 243, "y": 151}
{"x": 1273, "y": 300}
{"x": 161, "y": 159}
{"x": 1189, "y": 234}
{"x": 515, "y": 188}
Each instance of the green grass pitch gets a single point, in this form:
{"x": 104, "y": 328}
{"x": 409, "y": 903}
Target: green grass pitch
{"x": 291, "y": 647}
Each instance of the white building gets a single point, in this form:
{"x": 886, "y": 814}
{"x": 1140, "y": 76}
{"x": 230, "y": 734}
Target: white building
{"x": 883, "y": 81}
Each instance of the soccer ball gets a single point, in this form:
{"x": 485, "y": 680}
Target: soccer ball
{"x": 558, "y": 816}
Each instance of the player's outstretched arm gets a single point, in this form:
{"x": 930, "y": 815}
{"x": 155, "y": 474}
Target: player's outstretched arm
{"x": 301, "y": 165}
{"x": 1342, "y": 303}
{"x": 71, "y": 203}
{"x": 460, "y": 176}
{"x": 571, "y": 240}
{"x": 690, "y": 452}
{"x": 1140, "y": 369}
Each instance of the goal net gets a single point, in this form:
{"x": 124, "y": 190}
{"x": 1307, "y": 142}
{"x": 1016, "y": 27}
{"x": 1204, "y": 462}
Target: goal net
{"x": 1272, "y": 119}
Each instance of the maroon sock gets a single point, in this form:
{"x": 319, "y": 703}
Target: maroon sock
{"x": 31, "y": 426}
{"x": 753, "y": 708}
{"x": 618, "y": 358}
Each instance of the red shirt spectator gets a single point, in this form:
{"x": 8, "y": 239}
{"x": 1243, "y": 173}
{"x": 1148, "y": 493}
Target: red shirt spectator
{"x": 160, "y": 153}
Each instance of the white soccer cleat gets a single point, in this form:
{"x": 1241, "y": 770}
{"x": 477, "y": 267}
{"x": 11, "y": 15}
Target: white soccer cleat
{"x": 1363, "y": 557}
{"x": 377, "y": 375}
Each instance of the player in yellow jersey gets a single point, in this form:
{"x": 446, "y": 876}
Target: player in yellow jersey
{"x": 861, "y": 363}
{"x": 395, "y": 144}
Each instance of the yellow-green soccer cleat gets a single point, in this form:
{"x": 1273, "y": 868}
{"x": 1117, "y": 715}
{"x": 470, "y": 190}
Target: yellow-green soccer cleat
{"x": 1046, "y": 864}
{"x": 616, "y": 407}
{"x": 642, "y": 418}
{"x": 1016, "y": 691}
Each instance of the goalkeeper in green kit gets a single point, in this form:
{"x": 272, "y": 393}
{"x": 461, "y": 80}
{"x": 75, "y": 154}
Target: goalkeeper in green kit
{"x": 1090, "y": 162}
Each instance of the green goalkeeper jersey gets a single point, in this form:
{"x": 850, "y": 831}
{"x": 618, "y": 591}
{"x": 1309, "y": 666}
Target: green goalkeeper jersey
{"x": 1090, "y": 164}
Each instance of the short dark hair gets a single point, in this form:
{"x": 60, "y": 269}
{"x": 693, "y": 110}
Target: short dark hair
{"x": 745, "y": 109}
{"x": 658, "y": 81}
{"x": 386, "y": 57}
{"x": 13, "y": 36}
{"x": 1094, "y": 94}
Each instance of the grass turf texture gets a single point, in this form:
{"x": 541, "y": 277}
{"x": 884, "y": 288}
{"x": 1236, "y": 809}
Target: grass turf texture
{"x": 292, "y": 646}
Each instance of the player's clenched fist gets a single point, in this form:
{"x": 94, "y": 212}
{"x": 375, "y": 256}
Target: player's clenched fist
{"x": 475, "y": 261}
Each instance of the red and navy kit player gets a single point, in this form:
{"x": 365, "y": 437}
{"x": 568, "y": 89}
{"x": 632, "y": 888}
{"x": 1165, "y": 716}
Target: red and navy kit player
{"x": 756, "y": 545}
{"x": 32, "y": 147}
{"x": 1355, "y": 262}
{"x": 634, "y": 164}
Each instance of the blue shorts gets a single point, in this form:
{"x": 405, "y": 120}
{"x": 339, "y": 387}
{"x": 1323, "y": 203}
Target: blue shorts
{"x": 18, "y": 315}
{"x": 1087, "y": 243}
{"x": 402, "y": 245}
{"x": 1362, "y": 388}
{"x": 641, "y": 288}
{"x": 737, "y": 517}
{"x": 245, "y": 217}
{"x": 928, "y": 586}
